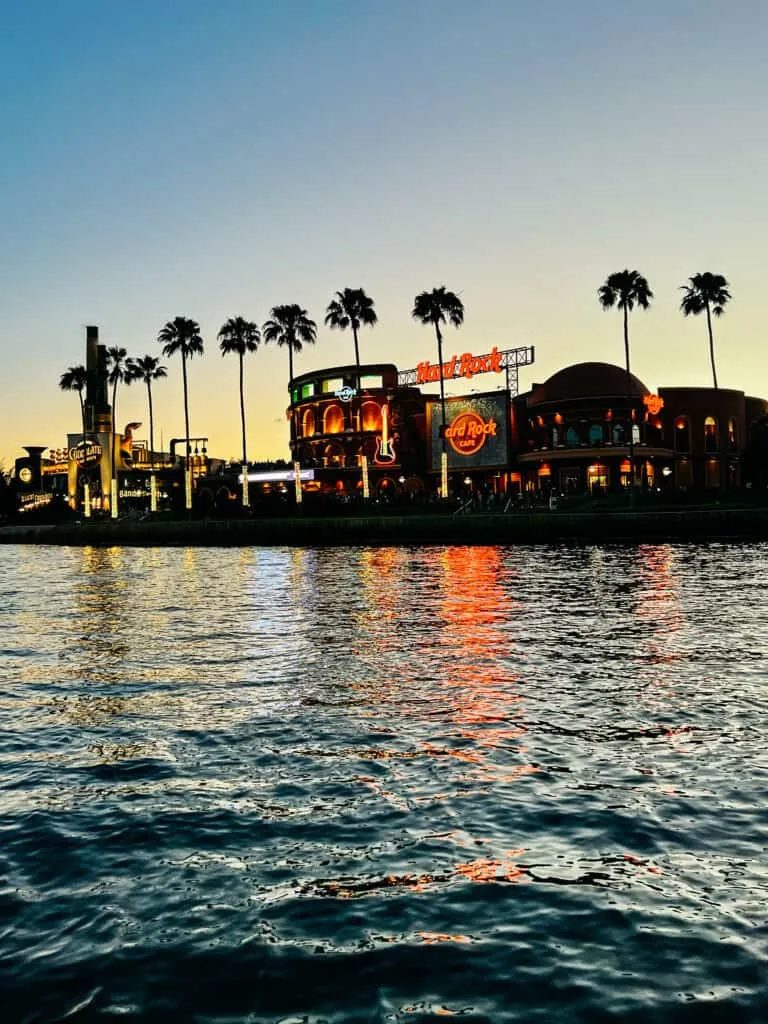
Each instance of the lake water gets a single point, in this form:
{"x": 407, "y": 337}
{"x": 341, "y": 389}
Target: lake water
{"x": 374, "y": 785}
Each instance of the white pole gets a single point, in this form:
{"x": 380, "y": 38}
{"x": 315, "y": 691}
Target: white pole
{"x": 152, "y": 492}
{"x": 366, "y": 488}
{"x": 113, "y": 498}
{"x": 297, "y": 476}
{"x": 87, "y": 501}
{"x": 245, "y": 485}
{"x": 444, "y": 475}
{"x": 188, "y": 486}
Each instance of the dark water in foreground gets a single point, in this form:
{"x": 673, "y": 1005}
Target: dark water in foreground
{"x": 384, "y": 785}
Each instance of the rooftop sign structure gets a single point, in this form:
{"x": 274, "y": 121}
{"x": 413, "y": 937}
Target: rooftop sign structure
{"x": 467, "y": 365}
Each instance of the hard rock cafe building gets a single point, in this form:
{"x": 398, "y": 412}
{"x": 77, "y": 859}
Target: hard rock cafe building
{"x": 372, "y": 430}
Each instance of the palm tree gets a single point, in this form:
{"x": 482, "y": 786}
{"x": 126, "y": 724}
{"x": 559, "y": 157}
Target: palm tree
{"x": 117, "y": 371}
{"x": 290, "y": 325}
{"x": 439, "y": 307}
{"x": 76, "y": 379}
{"x": 351, "y": 308}
{"x": 182, "y": 335}
{"x": 706, "y": 292}
{"x": 626, "y": 289}
{"x": 240, "y": 336}
{"x": 147, "y": 369}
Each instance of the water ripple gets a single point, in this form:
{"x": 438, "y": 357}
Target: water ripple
{"x": 386, "y": 785}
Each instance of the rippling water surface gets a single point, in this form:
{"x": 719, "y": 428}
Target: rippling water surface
{"x": 384, "y": 785}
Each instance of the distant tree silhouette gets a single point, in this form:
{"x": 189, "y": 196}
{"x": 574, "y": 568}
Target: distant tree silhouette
{"x": 439, "y": 307}
{"x": 240, "y": 336}
{"x": 706, "y": 293}
{"x": 182, "y": 335}
{"x": 290, "y": 326}
{"x": 76, "y": 379}
{"x": 147, "y": 369}
{"x": 351, "y": 308}
{"x": 624, "y": 290}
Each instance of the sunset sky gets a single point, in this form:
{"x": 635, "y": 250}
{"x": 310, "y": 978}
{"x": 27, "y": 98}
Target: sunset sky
{"x": 186, "y": 157}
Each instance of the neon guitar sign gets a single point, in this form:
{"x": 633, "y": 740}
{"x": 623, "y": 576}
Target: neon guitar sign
{"x": 385, "y": 449}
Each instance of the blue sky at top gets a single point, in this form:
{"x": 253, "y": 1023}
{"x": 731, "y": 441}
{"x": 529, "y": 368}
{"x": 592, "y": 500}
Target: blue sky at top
{"x": 207, "y": 159}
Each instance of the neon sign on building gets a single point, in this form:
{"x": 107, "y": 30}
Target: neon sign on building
{"x": 466, "y": 365}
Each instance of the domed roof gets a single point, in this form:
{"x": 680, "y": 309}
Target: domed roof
{"x": 587, "y": 380}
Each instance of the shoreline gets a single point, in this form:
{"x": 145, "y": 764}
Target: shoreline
{"x": 713, "y": 524}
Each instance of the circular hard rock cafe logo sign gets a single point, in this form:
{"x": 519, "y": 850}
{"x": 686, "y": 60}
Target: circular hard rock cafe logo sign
{"x": 346, "y": 394}
{"x": 468, "y": 431}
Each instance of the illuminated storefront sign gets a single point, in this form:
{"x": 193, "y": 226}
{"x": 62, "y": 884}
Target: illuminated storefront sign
{"x": 466, "y": 365}
{"x": 653, "y": 403}
{"x": 385, "y": 447}
{"x": 85, "y": 453}
{"x": 468, "y": 431}
{"x": 345, "y": 394}
{"x": 277, "y": 476}
{"x": 475, "y": 431}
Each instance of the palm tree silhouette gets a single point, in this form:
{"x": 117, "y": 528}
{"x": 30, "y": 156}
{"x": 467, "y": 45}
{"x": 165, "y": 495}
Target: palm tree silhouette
{"x": 240, "y": 336}
{"x": 706, "y": 293}
{"x": 351, "y": 308}
{"x": 439, "y": 307}
{"x": 182, "y": 335}
{"x": 76, "y": 379}
{"x": 624, "y": 290}
{"x": 117, "y": 369}
{"x": 147, "y": 369}
{"x": 290, "y": 325}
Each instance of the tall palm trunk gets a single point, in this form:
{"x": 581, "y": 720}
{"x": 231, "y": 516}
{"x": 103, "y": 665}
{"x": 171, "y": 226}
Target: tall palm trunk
{"x": 151, "y": 426}
{"x": 358, "y": 404}
{"x": 113, "y": 472}
{"x": 442, "y": 380}
{"x": 82, "y": 415}
{"x": 242, "y": 406}
{"x": 631, "y": 406}
{"x": 186, "y": 407}
{"x": 290, "y": 401}
{"x": 711, "y": 346}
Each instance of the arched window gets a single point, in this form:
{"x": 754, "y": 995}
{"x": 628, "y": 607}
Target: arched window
{"x": 308, "y": 423}
{"x": 572, "y": 437}
{"x": 710, "y": 434}
{"x": 596, "y": 433}
{"x": 333, "y": 419}
{"x": 618, "y": 433}
{"x": 682, "y": 434}
{"x": 555, "y": 437}
{"x": 732, "y": 438}
{"x": 371, "y": 416}
{"x": 635, "y": 434}
{"x": 654, "y": 430}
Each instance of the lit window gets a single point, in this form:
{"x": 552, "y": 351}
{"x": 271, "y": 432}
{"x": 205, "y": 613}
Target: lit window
{"x": 330, "y": 387}
{"x": 308, "y": 390}
{"x": 371, "y": 381}
{"x": 710, "y": 434}
{"x": 682, "y": 434}
{"x": 308, "y": 423}
{"x": 732, "y": 441}
{"x": 333, "y": 419}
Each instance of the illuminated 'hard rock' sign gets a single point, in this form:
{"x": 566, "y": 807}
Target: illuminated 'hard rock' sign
{"x": 465, "y": 365}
